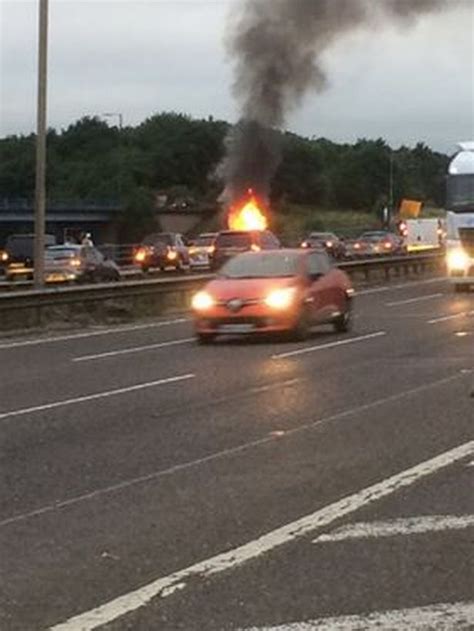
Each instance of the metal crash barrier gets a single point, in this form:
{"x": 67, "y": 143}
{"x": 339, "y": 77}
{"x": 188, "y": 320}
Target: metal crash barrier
{"x": 137, "y": 299}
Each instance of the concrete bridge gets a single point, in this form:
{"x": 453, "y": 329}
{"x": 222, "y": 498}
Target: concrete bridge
{"x": 100, "y": 217}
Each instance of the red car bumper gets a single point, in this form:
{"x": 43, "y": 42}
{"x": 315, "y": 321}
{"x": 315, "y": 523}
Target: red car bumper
{"x": 249, "y": 320}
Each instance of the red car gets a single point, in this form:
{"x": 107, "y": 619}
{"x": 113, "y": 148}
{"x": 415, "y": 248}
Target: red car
{"x": 274, "y": 291}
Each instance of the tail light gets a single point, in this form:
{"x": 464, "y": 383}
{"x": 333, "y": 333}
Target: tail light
{"x": 387, "y": 245}
{"x": 140, "y": 255}
{"x": 329, "y": 244}
{"x": 305, "y": 244}
{"x": 357, "y": 246}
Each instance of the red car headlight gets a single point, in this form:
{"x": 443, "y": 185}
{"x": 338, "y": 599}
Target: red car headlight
{"x": 281, "y": 299}
{"x": 202, "y": 301}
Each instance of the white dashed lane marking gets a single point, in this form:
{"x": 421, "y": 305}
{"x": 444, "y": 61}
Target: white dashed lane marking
{"x": 92, "y": 397}
{"x": 454, "y": 316}
{"x": 409, "y": 301}
{"x": 134, "y": 349}
{"x": 78, "y": 336}
{"x": 312, "y": 349}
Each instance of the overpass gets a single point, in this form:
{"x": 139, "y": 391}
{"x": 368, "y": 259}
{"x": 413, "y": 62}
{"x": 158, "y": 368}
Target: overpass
{"x": 100, "y": 217}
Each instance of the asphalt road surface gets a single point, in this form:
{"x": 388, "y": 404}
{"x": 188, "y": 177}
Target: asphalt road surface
{"x": 152, "y": 484}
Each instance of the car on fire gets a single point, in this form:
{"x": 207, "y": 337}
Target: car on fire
{"x": 201, "y": 250}
{"x": 163, "y": 250}
{"x": 284, "y": 291}
{"x": 333, "y": 245}
{"x": 229, "y": 243}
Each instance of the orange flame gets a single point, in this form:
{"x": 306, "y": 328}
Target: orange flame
{"x": 248, "y": 217}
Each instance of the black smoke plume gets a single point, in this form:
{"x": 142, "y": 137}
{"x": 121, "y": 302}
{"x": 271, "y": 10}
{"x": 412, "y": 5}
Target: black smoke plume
{"x": 278, "y": 47}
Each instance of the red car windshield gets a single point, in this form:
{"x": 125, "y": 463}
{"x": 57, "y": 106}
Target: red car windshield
{"x": 262, "y": 265}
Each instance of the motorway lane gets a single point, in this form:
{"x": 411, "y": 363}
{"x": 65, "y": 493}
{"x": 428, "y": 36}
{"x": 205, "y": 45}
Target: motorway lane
{"x": 71, "y": 452}
{"x": 48, "y": 363}
{"x": 224, "y": 387}
{"x": 227, "y": 411}
{"x": 422, "y": 560}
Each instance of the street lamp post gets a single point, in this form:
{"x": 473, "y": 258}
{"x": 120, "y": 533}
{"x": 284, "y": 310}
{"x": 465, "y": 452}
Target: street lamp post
{"x": 40, "y": 183}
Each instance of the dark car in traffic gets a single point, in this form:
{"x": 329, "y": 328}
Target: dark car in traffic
{"x": 17, "y": 257}
{"x": 78, "y": 263}
{"x": 333, "y": 245}
{"x": 162, "y": 250}
{"x": 229, "y": 243}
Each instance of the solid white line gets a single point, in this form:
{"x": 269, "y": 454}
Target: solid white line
{"x": 394, "y": 527}
{"x": 312, "y": 349}
{"x": 92, "y": 397}
{"x": 411, "y": 300}
{"x": 462, "y": 314}
{"x": 135, "y": 349}
{"x": 442, "y": 616}
{"x": 77, "y": 336}
{"x": 290, "y": 532}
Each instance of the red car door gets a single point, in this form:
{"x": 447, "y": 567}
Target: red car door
{"x": 321, "y": 295}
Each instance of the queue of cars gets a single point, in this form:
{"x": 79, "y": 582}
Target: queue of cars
{"x": 173, "y": 251}
{"x": 368, "y": 244}
{"x": 62, "y": 263}
{"x": 210, "y": 250}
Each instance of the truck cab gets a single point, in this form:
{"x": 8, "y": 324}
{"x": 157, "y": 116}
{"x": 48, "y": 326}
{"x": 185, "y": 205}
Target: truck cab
{"x": 460, "y": 218}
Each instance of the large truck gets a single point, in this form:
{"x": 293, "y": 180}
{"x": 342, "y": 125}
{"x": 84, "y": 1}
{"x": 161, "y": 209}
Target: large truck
{"x": 460, "y": 218}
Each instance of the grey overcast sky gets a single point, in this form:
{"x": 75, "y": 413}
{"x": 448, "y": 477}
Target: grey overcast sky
{"x": 139, "y": 57}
